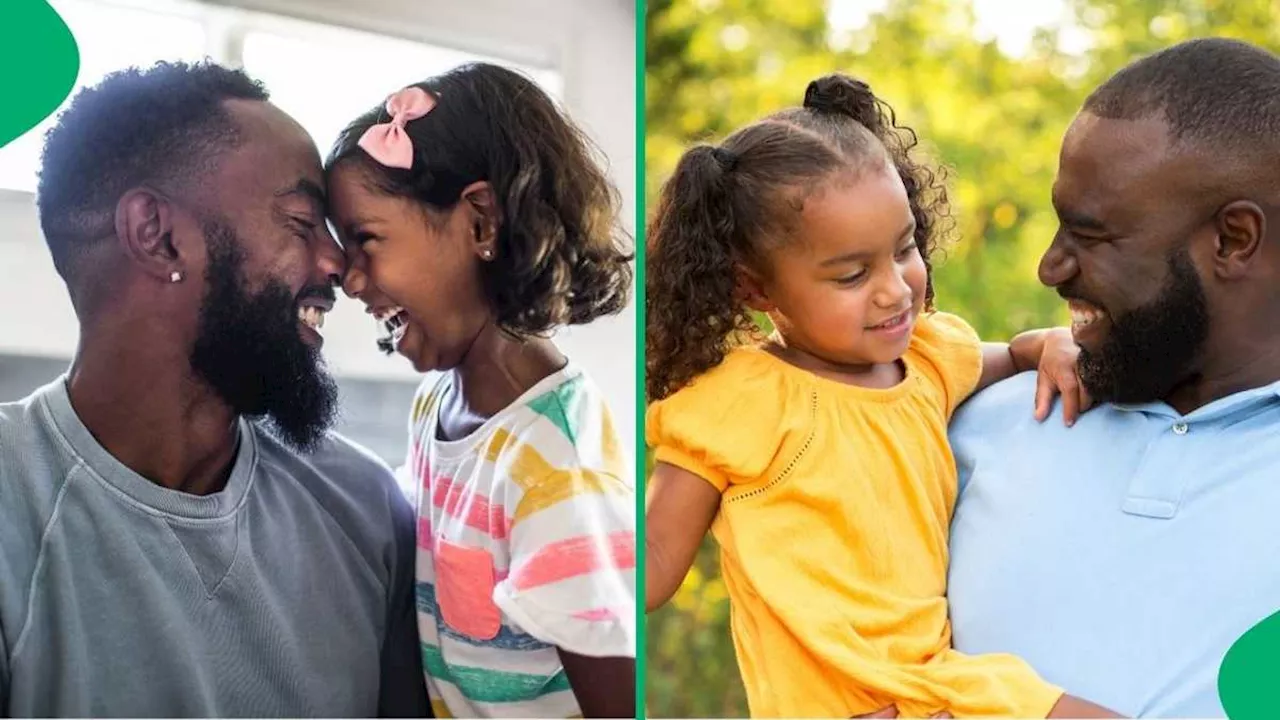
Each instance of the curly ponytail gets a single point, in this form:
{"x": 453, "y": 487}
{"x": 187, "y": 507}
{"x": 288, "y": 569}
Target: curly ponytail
{"x": 847, "y": 96}
{"x": 691, "y": 260}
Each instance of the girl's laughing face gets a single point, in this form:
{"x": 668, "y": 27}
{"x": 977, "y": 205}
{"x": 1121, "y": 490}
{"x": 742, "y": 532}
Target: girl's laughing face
{"x": 417, "y": 270}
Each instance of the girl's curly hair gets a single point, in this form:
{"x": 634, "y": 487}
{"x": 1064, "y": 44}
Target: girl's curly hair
{"x": 562, "y": 257}
{"x": 725, "y": 205}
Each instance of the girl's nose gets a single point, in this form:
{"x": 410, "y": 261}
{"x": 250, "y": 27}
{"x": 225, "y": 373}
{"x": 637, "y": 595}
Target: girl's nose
{"x": 894, "y": 292}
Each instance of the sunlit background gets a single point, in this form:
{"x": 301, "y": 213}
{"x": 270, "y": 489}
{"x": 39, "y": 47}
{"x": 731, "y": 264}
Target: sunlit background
{"x": 325, "y": 62}
{"x": 989, "y": 85}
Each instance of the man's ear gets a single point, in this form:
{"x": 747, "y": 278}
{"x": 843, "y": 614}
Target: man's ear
{"x": 486, "y": 217}
{"x": 1242, "y": 228}
{"x": 144, "y": 230}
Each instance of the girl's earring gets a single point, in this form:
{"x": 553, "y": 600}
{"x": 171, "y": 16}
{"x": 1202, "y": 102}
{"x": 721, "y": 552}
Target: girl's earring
{"x": 487, "y": 254}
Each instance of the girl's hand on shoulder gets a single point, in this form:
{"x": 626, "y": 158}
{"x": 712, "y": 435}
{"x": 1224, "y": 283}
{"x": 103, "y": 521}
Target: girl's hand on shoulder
{"x": 1059, "y": 373}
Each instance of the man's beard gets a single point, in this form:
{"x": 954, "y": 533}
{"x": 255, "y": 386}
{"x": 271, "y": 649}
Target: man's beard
{"x": 248, "y": 349}
{"x": 1152, "y": 349}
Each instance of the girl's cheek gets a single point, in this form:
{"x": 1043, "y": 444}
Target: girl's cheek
{"x": 918, "y": 277}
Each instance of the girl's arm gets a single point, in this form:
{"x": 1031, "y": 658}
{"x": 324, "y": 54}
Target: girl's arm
{"x": 604, "y": 686}
{"x": 1004, "y": 360}
{"x": 1054, "y": 353}
{"x": 679, "y": 508}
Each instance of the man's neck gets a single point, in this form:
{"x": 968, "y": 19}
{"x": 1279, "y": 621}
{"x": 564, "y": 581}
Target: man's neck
{"x": 1229, "y": 367}
{"x": 144, "y": 406}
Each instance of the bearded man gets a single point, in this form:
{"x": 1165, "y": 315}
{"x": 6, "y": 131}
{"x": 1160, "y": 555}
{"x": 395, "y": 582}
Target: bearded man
{"x": 181, "y": 534}
{"x": 1122, "y": 557}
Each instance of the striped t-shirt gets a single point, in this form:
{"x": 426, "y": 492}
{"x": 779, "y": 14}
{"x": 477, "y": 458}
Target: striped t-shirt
{"x": 526, "y": 543}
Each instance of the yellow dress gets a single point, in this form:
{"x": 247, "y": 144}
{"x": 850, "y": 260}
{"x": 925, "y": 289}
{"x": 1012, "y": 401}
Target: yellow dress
{"x": 833, "y": 531}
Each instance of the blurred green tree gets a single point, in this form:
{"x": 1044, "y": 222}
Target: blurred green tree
{"x": 994, "y": 121}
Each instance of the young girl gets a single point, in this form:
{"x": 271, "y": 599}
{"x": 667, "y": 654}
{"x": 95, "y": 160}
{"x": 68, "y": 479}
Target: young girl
{"x": 819, "y": 456}
{"x": 475, "y": 222}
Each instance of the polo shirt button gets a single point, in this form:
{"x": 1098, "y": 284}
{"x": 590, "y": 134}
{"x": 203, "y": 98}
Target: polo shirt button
{"x": 1180, "y": 429}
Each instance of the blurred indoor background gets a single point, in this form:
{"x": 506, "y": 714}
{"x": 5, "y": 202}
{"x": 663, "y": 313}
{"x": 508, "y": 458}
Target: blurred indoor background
{"x": 989, "y": 85}
{"x": 324, "y": 62}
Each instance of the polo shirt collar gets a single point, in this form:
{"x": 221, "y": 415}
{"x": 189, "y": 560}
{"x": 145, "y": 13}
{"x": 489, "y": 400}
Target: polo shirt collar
{"x": 1220, "y": 407}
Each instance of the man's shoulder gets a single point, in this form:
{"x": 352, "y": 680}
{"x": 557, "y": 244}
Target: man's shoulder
{"x": 35, "y": 466}
{"x": 1001, "y": 402}
{"x": 342, "y": 480}
{"x": 333, "y": 451}
{"x": 32, "y": 453}
{"x": 1003, "y": 416}
{"x": 337, "y": 467}
{"x": 343, "y": 451}
{"x": 17, "y": 414}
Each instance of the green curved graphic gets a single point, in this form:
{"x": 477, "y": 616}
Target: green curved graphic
{"x": 1246, "y": 680}
{"x": 38, "y": 65}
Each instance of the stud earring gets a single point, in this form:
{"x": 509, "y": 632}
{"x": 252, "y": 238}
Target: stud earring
{"x": 487, "y": 254}
{"x": 175, "y": 276}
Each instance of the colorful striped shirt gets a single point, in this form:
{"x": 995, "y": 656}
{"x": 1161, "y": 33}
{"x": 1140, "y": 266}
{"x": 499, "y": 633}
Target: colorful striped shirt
{"x": 526, "y": 543}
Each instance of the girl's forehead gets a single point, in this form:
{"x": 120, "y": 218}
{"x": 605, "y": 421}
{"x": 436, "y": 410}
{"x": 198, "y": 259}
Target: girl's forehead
{"x": 349, "y": 187}
{"x": 870, "y": 209}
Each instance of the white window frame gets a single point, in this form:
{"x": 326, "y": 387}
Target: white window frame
{"x": 227, "y": 22}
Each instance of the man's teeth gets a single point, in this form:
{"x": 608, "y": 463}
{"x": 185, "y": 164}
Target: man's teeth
{"x": 312, "y": 316}
{"x": 1082, "y": 315}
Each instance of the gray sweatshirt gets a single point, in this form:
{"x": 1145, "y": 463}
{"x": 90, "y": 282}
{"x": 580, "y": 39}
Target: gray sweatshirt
{"x": 287, "y": 594}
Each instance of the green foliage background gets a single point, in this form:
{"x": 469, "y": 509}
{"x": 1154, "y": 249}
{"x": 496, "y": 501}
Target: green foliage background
{"x": 996, "y": 123}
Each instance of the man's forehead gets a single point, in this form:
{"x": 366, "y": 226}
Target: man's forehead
{"x": 261, "y": 120}
{"x": 275, "y": 156}
{"x": 1108, "y": 159}
{"x": 1119, "y": 148}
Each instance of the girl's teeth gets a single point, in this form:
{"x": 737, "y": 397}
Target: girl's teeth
{"x": 892, "y": 323}
{"x": 383, "y": 315}
{"x": 394, "y": 323}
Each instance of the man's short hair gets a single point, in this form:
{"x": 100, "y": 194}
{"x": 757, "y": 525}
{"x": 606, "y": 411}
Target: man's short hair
{"x": 1214, "y": 92}
{"x": 164, "y": 126}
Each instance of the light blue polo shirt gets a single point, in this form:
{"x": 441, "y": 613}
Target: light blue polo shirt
{"x": 1121, "y": 557}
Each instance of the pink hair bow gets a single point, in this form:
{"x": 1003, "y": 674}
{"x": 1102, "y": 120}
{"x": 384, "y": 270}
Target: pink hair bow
{"x": 387, "y": 142}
